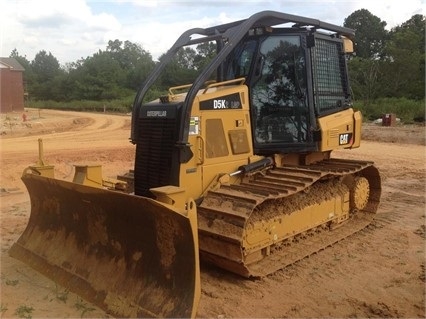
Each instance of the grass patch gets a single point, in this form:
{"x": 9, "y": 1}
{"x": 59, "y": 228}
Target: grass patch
{"x": 122, "y": 105}
{"x": 61, "y": 295}
{"x": 114, "y": 106}
{"x": 3, "y": 308}
{"x": 24, "y": 312}
{"x": 82, "y": 307}
{"x": 409, "y": 111}
{"x": 11, "y": 282}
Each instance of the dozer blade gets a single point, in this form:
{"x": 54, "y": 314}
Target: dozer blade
{"x": 131, "y": 256}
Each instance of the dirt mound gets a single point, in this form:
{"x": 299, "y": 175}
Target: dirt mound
{"x": 40, "y": 122}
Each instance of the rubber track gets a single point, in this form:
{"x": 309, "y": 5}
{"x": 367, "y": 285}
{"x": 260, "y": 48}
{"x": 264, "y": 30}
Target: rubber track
{"x": 224, "y": 213}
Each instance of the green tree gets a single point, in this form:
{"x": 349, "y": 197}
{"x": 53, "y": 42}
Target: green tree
{"x": 133, "y": 59}
{"x": 116, "y": 72}
{"x": 47, "y": 76}
{"x": 97, "y": 78}
{"x": 370, "y": 33}
{"x": 28, "y": 73}
{"x": 45, "y": 66}
{"x": 138, "y": 64}
{"x": 365, "y": 78}
{"x": 21, "y": 59}
{"x": 205, "y": 53}
{"x": 404, "y": 72}
{"x": 181, "y": 70}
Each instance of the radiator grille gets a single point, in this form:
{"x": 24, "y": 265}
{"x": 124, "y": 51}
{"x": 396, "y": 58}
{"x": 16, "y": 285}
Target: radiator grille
{"x": 155, "y": 152}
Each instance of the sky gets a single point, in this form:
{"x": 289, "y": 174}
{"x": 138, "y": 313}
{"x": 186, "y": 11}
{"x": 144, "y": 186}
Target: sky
{"x": 75, "y": 29}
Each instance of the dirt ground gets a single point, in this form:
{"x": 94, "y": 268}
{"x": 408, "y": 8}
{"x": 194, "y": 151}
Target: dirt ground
{"x": 378, "y": 272}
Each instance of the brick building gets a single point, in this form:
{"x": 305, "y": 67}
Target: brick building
{"x": 11, "y": 86}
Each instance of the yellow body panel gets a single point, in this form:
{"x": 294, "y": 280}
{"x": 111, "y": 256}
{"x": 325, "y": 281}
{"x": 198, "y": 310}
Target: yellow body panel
{"x": 89, "y": 175}
{"x": 221, "y": 143}
{"x": 348, "y": 45}
{"x": 358, "y": 128}
{"x": 340, "y": 130}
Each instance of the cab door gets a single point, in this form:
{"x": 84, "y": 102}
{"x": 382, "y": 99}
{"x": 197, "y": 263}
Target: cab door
{"x": 279, "y": 96}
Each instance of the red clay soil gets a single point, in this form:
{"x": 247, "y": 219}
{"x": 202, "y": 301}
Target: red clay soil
{"x": 378, "y": 272}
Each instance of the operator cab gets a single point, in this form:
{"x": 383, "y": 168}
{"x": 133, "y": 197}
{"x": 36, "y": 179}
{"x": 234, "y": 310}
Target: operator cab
{"x": 286, "y": 93}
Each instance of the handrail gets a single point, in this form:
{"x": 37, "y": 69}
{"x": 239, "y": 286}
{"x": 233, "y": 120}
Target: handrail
{"x": 240, "y": 81}
{"x": 179, "y": 87}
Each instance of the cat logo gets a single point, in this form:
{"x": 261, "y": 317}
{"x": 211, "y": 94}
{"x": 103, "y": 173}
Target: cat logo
{"x": 345, "y": 138}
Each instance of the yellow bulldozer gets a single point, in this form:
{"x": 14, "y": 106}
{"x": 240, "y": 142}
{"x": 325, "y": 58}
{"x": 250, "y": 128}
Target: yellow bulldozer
{"x": 234, "y": 169}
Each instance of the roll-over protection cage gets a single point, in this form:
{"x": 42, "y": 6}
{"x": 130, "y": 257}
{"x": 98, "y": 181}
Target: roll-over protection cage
{"x": 227, "y": 37}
